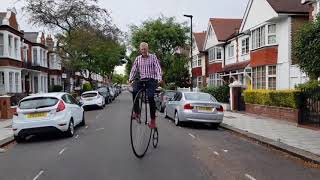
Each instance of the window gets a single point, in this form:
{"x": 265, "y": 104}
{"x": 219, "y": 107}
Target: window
{"x": 199, "y": 81}
{"x": 52, "y": 81}
{"x": 16, "y": 47}
{"x": 215, "y": 80}
{"x": 10, "y": 45}
{"x": 45, "y": 64}
{"x": 258, "y": 37}
{"x": 230, "y": 51}
{"x": 1, "y": 44}
{"x": 10, "y": 81}
{"x": 264, "y": 77}
{"x": 194, "y": 61}
{"x": 177, "y": 96}
{"x": 17, "y": 81}
{"x": 272, "y": 79}
{"x": 215, "y": 54}
{"x": 35, "y": 56}
{"x": 41, "y": 60}
{"x": 245, "y": 46}
{"x": 1, "y": 78}
{"x": 199, "y": 62}
{"x": 272, "y": 38}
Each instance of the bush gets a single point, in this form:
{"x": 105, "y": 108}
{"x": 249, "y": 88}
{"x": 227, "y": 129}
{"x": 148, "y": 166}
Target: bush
{"x": 221, "y": 93}
{"x": 171, "y": 86}
{"x": 310, "y": 85}
{"x": 56, "y": 88}
{"x": 278, "y": 98}
{"x": 87, "y": 87}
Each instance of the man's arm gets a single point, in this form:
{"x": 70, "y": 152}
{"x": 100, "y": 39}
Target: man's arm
{"x": 158, "y": 69}
{"x": 133, "y": 70}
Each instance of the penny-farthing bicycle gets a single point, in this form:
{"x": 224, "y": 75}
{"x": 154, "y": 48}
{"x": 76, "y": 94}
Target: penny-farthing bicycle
{"x": 140, "y": 132}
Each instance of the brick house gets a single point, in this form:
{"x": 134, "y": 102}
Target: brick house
{"x": 199, "y": 60}
{"x": 24, "y": 65}
{"x": 263, "y": 47}
{"x": 218, "y": 32}
{"x": 314, "y": 8}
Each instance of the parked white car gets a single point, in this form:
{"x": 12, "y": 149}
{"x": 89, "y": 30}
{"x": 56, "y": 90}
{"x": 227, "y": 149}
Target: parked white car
{"x": 46, "y": 113}
{"x": 92, "y": 99}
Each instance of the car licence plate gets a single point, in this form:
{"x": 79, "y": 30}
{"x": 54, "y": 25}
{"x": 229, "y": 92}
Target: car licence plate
{"x": 206, "y": 109}
{"x": 37, "y": 115}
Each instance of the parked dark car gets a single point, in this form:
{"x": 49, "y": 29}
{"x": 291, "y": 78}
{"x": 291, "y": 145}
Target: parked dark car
{"x": 105, "y": 92}
{"x": 162, "y": 99}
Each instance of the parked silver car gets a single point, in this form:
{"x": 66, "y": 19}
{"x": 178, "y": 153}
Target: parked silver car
{"x": 194, "y": 106}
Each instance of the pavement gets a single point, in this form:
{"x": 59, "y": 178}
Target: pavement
{"x": 101, "y": 150}
{"x": 286, "y": 136}
{"x": 6, "y": 134}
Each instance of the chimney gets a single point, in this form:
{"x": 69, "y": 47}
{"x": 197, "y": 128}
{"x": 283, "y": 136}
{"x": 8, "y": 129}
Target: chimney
{"x": 49, "y": 42}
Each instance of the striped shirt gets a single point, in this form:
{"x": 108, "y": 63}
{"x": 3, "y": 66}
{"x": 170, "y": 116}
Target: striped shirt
{"x": 148, "y": 67}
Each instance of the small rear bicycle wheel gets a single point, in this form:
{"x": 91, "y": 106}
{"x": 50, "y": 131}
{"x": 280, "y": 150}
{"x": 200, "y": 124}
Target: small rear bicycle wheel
{"x": 155, "y": 138}
{"x": 140, "y": 133}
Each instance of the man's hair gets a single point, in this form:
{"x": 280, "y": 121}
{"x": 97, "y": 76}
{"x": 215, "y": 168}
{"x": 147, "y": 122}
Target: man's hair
{"x": 144, "y": 44}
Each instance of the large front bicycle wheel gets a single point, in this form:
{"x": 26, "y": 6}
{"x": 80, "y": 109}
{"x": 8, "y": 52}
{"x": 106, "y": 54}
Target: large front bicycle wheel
{"x": 140, "y": 133}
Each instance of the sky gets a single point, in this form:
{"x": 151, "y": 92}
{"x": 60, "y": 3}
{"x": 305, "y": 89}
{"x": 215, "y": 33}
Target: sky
{"x": 128, "y": 12}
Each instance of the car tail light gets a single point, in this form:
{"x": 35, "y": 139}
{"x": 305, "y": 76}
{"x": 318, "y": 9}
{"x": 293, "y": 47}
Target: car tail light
{"x": 220, "y": 109}
{"x": 188, "y": 107}
{"x": 61, "y": 106}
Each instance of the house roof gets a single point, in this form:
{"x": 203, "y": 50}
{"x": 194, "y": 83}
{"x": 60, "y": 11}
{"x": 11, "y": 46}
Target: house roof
{"x": 289, "y": 6}
{"x": 224, "y": 28}
{"x": 235, "y": 66}
{"x": 200, "y": 37}
{"x": 31, "y": 36}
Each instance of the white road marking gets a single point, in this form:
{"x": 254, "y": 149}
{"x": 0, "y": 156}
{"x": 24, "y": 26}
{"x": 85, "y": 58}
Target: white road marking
{"x": 38, "y": 175}
{"x": 87, "y": 127}
{"x": 99, "y": 129}
{"x": 250, "y": 177}
{"x": 2, "y": 150}
{"x": 77, "y": 136}
{"x": 62, "y": 151}
{"x": 216, "y": 153}
{"x": 179, "y": 127}
{"x": 192, "y": 135}
{"x": 225, "y": 150}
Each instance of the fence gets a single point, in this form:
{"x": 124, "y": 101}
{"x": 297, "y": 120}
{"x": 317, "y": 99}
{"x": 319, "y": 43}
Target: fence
{"x": 310, "y": 106}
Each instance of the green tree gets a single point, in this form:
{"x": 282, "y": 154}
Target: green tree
{"x": 307, "y": 48}
{"x": 164, "y": 35}
{"x": 118, "y": 79}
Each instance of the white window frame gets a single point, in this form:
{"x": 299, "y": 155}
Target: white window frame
{"x": 11, "y": 75}
{"x": 272, "y": 34}
{"x": 15, "y": 42}
{"x": 194, "y": 62}
{"x": 213, "y": 54}
{"x": 230, "y": 48}
{"x": 16, "y": 81}
{"x": 199, "y": 61}
{"x": 2, "y": 45}
{"x": 25, "y": 54}
{"x": 245, "y": 46}
{"x": 271, "y": 76}
{"x": 199, "y": 81}
{"x": 35, "y": 56}
{"x": 258, "y": 37}
{"x": 10, "y": 45}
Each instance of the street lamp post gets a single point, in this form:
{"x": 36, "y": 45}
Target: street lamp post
{"x": 191, "y": 46}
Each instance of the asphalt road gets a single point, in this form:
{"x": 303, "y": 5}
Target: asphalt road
{"x": 102, "y": 151}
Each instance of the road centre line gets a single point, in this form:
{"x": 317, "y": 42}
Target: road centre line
{"x": 62, "y": 151}
{"x": 250, "y": 177}
{"x": 38, "y": 175}
{"x": 192, "y": 135}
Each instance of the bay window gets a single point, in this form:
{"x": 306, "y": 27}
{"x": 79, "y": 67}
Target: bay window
{"x": 264, "y": 77}
{"x": 199, "y": 81}
{"x": 215, "y": 80}
{"x": 17, "y": 82}
{"x": 264, "y": 35}
{"x": 10, "y": 45}
{"x": 230, "y": 51}
{"x": 35, "y": 56}
{"x": 272, "y": 38}
{"x": 215, "y": 54}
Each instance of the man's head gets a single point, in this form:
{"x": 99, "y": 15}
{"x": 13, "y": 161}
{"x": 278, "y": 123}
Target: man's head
{"x": 144, "y": 48}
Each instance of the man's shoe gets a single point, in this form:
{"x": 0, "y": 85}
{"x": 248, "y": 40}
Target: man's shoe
{"x": 152, "y": 124}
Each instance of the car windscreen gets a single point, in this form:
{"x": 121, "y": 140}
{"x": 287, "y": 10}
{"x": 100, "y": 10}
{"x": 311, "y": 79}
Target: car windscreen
{"x": 38, "y": 102}
{"x": 170, "y": 93}
{"x": 199, "y": 97}
{"x": 88, "y": 95}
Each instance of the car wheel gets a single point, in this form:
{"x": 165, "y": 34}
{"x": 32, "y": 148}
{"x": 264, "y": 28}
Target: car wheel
{"x": 18, "y": 139}
{"x": 83, "y": 122}
{"x": 214, "y": 125}
{"x": 176, "y": 119}
{"x": 70, "y": 131}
